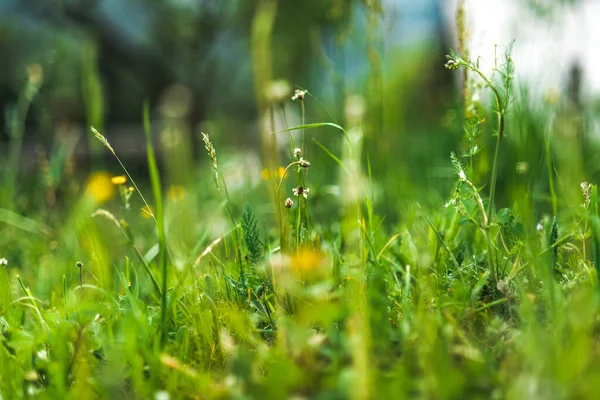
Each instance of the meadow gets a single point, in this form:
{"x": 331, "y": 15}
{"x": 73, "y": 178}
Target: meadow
{"x": 344, "y": 262}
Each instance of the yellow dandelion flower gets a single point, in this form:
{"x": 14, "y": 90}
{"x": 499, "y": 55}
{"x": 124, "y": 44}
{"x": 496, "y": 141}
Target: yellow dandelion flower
{"x": 280, "y": 172}
{"x": 147, "y": 212}
{"x": 119, "y": 180}
{"x": 264, "y": 174}
{"x": 307, "y": 262}
{"x": 175, "y": 193}
{"x": 99, "y": 187}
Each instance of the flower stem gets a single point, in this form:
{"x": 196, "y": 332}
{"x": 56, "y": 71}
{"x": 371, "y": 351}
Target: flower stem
{"x": 278, "y": 199}
{"x": 494, "y": 179}
{"x": 493, "y": 193}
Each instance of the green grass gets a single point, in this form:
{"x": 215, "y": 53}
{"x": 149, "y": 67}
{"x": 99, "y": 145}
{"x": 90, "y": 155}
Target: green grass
{"x": 360, "y": 290}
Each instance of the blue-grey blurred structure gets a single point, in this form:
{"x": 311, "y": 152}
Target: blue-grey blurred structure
{"x": 140, "y": 48}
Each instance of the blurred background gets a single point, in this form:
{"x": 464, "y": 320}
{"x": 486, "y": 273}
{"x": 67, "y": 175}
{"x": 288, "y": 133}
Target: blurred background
{"x": 218, "y": 66}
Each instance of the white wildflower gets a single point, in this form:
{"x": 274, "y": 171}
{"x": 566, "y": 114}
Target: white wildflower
{"x": 301, "y": 191}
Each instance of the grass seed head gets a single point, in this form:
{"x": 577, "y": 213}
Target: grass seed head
{"x": 101, "y": 139}
{"x": 212, "y": 153}
{"x": 586, "y": 189}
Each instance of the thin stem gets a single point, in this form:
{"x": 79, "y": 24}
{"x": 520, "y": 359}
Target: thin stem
{"x": 494, "y": 177}
{"x": 490, "y": 254}
{"x": 303, "y": 119}
{"x": 281, "y": 233}
{"x": 490, "y": 245}
{"x": 550, "y": 177}
{"x": 155, "y": 183}
{"x": 585, "y": 226}
{"x": 500, "y": 131}
{"x": 64, "y": 285}
{"x": 301, "y": 175}
{"x": 319, "y": 103}
{"x": 113, "y": 152}
{"x": 298, "y": 221}
{"x": 236, "y": 235}
{"x": 496, "y": 93}
{"x": 285, "y": 120}
{"x": 479, "y": 202}
{"x": 441, "y": 239}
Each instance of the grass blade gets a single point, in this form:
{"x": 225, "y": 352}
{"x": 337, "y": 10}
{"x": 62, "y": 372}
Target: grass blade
{"x": 316, "y": 125}
{"x": 160, "y": 222}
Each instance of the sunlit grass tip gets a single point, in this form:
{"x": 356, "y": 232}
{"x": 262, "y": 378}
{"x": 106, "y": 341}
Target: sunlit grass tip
{"x": 212, "y": 153}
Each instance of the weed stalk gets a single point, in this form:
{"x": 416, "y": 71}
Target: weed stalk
{"x": 456, "y": 61}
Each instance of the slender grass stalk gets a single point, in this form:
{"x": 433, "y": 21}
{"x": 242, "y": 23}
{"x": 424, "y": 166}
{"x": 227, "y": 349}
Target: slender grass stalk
{"x": 494, "y": 178}
{"x": 369, "y": 198}
{"x": 333, "y": 156}
{"x": 298, "y": 222}
{"x": 285, "y": 120}
{"x": 124, "y": 228}
{"x": 389, "y": 242}
{"x": 80, "y": 268}
{"x": 279, "y": 210}
{"x": 317, "y": 125}
{"x": 329, "y": 114}
{"x": 440, "y": 238}
{"x": 64, "y": 289}
{"x": 491, "y": 304}
{"x": 106, "y": 144}
{"x": 34, "y": 302}
{"x": 160, "y": 223}
{"x": 303, "y": 123}
{"x": 490, "y": 256}
{"x": 551, "y": 176}
{"x": 212, "y": 153}
{"x": 236, "y": 233}
{"x": 103, "y": 140}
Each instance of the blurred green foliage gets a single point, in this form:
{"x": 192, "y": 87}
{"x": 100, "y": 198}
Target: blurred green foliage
{"x": 191, "y": 276}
